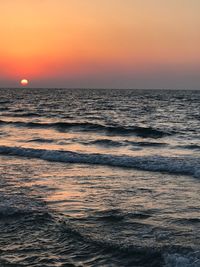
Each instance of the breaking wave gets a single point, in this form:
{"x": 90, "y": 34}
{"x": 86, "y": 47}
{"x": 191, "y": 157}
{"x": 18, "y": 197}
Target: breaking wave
{"x": 178, "y": 165}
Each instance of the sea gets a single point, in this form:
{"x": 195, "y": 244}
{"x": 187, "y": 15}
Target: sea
{"x": 99, "y": 177}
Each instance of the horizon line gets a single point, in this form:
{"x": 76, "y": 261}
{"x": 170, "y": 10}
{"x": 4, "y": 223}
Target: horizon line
{"x": 99, "y": 88}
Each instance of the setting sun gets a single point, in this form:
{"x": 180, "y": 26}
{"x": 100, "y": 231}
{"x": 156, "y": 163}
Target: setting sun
{"x": 24, "y": 82}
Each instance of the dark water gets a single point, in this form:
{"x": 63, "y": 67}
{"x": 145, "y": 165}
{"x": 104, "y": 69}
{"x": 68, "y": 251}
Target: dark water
{"x": 99, "y": 178}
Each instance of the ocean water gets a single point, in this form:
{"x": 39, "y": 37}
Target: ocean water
{"x": 99, "y": 178}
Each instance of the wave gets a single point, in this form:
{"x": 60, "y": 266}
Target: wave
{"x": 41, "y": 140}
{"x": 15, "y": 206}
{"x": 103, "y": 142}
{"x": 146, "y": 144}
{"x": 135, "y": 254}
{"x": 24, "y": 114}
{"x": 182, "y": 260}
{"x": 87, "y": 126}
{"x": 110, "y": 215}
{"x": 188, "y": 221}
{"x": 178, "y": 165}
{"x": 118, "y": 215}
{"x": 16, "y": 212}
{"x": 3, "y": 108}
{"x": 4, "y": 102}
{"x": 193, "y": 147}
{"x": 106, "y": 142}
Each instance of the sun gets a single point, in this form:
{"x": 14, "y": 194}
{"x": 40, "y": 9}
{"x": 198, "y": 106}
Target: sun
{"x": 24, "y": 82}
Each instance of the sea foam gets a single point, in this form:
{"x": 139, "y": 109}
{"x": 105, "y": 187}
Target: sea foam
{"x": 178, "y": 165}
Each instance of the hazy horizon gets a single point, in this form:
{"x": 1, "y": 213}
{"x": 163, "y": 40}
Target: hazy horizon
{"x": 100, "y": 44}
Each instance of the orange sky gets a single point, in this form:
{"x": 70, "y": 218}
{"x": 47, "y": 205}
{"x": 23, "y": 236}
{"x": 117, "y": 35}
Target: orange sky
{"x": 100, "y": 43}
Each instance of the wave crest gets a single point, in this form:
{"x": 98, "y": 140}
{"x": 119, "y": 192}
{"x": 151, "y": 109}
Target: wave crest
{"x": 178, "y": 165}
{"x": 87, "y": 126}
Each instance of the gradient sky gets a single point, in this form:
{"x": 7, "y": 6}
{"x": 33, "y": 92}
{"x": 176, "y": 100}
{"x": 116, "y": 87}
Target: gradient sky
{"x": 100, "y": 43}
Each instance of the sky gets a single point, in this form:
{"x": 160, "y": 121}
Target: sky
{"x": 100, "y": 43}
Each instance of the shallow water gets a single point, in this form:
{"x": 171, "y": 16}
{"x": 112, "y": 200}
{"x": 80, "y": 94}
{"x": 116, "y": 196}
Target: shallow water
{"x": 99, "y": 178}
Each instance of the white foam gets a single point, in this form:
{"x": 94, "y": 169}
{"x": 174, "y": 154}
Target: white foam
{"x": 187, "y": 165}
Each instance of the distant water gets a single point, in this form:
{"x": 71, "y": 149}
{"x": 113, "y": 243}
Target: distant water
{"x": 99, "y": 178}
